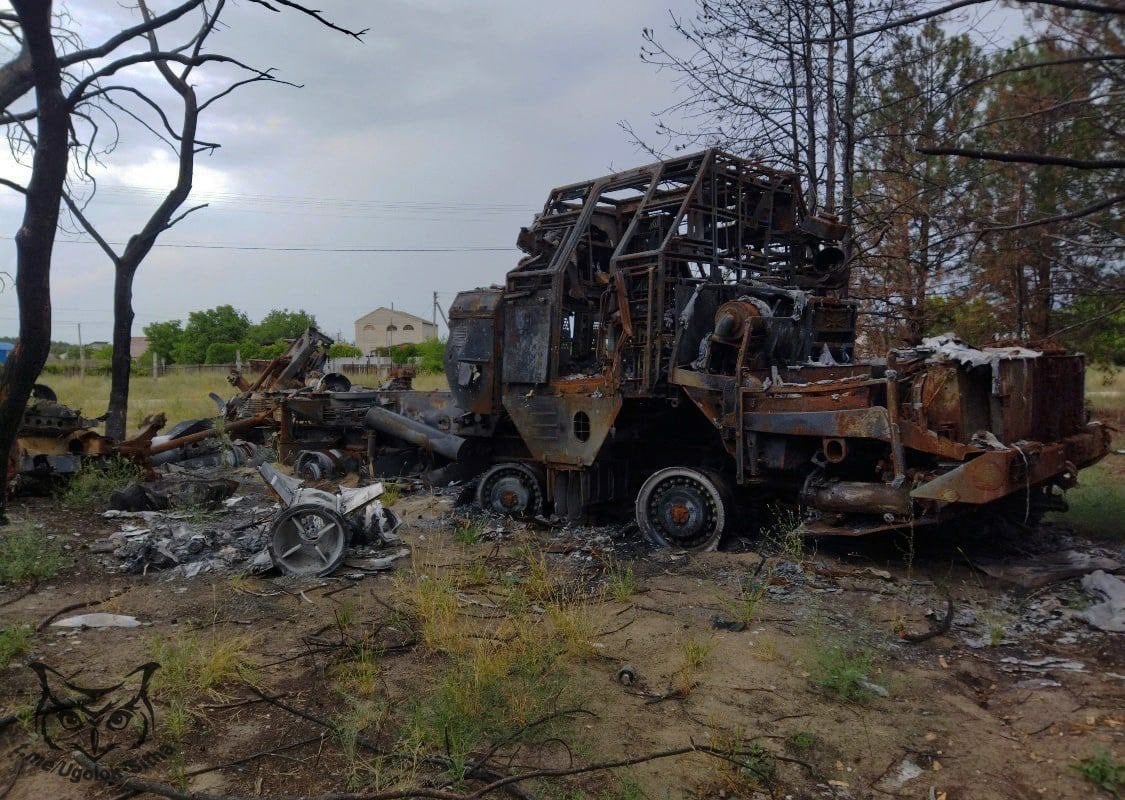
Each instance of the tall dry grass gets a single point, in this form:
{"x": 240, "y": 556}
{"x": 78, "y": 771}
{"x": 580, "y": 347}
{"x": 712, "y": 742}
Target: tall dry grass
{"x": 180, "y": 395}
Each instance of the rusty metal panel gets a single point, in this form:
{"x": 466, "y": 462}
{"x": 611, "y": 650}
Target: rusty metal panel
{"x": 563, "y": 429}
{"x": 866, "y": 423}
{"x": 527, "y": 343}
{"x": 1013, "y": 403}
{"x": 1058, "y": 408}
{"x": 995, "y": 474}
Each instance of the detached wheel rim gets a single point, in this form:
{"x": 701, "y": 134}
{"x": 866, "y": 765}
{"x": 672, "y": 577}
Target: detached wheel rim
{"x": 683, "y": 509}
{"x": 511, "y": 489}
{"x": 308, "y": 540}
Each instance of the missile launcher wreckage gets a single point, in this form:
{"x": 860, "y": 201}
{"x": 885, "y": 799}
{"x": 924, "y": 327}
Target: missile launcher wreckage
{"x": 677, "y": 340}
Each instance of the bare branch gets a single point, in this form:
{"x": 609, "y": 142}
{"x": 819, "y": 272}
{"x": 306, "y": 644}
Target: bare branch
{"x": 1073, "y": 5}
{"x": 1024, "y": 158}
{"x": 314, "y": 13}
{"x": 150, "y": 57}
{"x": 140, "y": 29}
{"x": 266, "y": 76}
{"x": 174, "y": 220}
{"x": 1093, "y": 208}
{"x": 13, "y": 185}
{"x": 76, "y": 212}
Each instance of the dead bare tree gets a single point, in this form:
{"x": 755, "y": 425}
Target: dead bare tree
{"x": 52, "y": 105}
{"x": 779, "y": 82}
{"x": 37, "y": 58}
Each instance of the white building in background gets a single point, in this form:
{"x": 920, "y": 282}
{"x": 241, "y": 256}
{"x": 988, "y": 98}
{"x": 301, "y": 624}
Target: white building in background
{"x": 386, "y": 327}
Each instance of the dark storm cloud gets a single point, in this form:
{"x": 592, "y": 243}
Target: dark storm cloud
{"x": 465, "y": 104}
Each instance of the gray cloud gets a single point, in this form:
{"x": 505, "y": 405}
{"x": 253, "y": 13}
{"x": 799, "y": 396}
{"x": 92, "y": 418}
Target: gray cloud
{"x": 481, "y": 107}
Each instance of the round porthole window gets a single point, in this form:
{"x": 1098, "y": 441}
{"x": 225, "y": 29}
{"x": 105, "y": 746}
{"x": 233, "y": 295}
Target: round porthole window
{"x": 581, "y": 426}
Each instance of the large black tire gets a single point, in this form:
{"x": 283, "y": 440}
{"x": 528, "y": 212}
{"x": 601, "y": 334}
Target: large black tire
{"x": 683, "y": 509}
{"x": 511, "y": 488}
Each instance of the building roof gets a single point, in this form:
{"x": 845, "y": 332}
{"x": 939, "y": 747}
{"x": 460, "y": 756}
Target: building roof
{"x": 397, "y": 313}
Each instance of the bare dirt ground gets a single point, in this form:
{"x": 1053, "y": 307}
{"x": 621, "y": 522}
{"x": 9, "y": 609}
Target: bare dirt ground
{"x": 500, "y": 642}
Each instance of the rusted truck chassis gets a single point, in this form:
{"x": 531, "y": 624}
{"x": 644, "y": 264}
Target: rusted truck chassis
{"x": 678, "y": 340}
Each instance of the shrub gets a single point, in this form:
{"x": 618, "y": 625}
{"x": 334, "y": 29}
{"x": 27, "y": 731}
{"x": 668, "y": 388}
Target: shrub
{"x": 1102, "y": 770}
{"x": 843, "y": 671}
{"x": 27, "y": 554}
{"x": 14, "y": 641}
{"x": 344, "y": 350}
{"x": 221, "y": 352}
{"x": 93, "y": 484}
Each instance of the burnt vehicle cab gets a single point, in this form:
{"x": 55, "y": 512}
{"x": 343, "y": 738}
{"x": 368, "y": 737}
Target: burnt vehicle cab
{"x": 678, "y": 337}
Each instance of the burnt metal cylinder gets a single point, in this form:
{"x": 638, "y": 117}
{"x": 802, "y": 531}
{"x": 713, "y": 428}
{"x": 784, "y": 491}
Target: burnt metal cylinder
{"x": 857, "y": 497}
{"x": 414, "y": 432}
{"x": 732, "y": 316}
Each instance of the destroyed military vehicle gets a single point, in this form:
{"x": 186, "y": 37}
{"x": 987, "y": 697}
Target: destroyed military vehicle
{"x": 678, "y": 341}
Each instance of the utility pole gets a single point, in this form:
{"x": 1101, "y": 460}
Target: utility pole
{"x": 81, "y": 354}
{"x": 439, "y": 310}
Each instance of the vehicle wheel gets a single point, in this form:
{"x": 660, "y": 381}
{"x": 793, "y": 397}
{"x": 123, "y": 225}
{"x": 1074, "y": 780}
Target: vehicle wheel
{"x": 511, "y": 488}
{"x": 308, "y": 540}
{"x": 683, "y": 508}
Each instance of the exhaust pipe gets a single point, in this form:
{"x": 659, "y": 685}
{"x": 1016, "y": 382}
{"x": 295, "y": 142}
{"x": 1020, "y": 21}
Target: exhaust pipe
{"x": 414, "y": 432}
{"x": 857, "y": 497}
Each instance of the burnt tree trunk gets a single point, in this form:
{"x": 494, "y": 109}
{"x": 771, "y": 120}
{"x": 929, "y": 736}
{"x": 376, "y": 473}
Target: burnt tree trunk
{"x": 140, "y": 245}
{"x": 808, "y": 68}
{"x": 830, "y": 125}
{"x": 36, "y": 237}
{"x": 121, "y": 363}
{"x": 847, "y": 130}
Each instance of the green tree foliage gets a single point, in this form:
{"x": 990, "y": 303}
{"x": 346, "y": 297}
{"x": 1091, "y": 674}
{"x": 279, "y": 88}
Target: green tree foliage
{"x": 1096, "y": 326}
{"x": 431, "y": 354}
{"x": 403, "y": 353}
{"x": 911, "y": 206}
{"x": 973, "y": 319}
{"x": 163, "y": 337}
{"x": 102, "y": 352}
{"x": 221, "y": 352}
{"x": 344, "y": 350}
{"x": 204, "y": 328}
{"x": 279, "y": 324}
{"x": 1034, "y": 272}
{"x": 269, "y": 351}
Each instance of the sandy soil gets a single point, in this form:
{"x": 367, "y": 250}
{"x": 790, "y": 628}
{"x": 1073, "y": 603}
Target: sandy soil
{"x": 959, "y": 719}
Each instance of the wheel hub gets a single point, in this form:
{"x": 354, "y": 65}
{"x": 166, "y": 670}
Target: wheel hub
{"x": 682, "y": 508}
{"x": 308, "y": 540}
{"x": 509, "y": 489}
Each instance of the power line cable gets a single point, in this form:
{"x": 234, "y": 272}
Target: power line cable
{"x": 301, "y": 248}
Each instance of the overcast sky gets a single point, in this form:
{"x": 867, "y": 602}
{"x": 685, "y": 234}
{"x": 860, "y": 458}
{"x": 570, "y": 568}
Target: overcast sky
{"x": 446, "y": 127}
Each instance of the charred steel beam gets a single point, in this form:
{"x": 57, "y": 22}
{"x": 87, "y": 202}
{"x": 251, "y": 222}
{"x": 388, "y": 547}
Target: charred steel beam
{"x": 265, "y": 418}
{"x": 414, "y": 432}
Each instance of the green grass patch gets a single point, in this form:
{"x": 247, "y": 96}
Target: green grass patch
{"x": 1097, "y": 504}
{"x": 620, "y": 581}
{"x": 391, "y": 493}
{"x": 194, "y": 666}
{"x": 843, "y": 671}
{"x": 744, "y": 607}
{"x": 469, "y": 532}
{"x": 26, "y": 554}
{"x": 802, "y": 741}
{"x": 92, "y": 485}
{"x": 14, "y": 641}
{"x": 502, "y": 692}
{"x": 1102, "y": 770}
